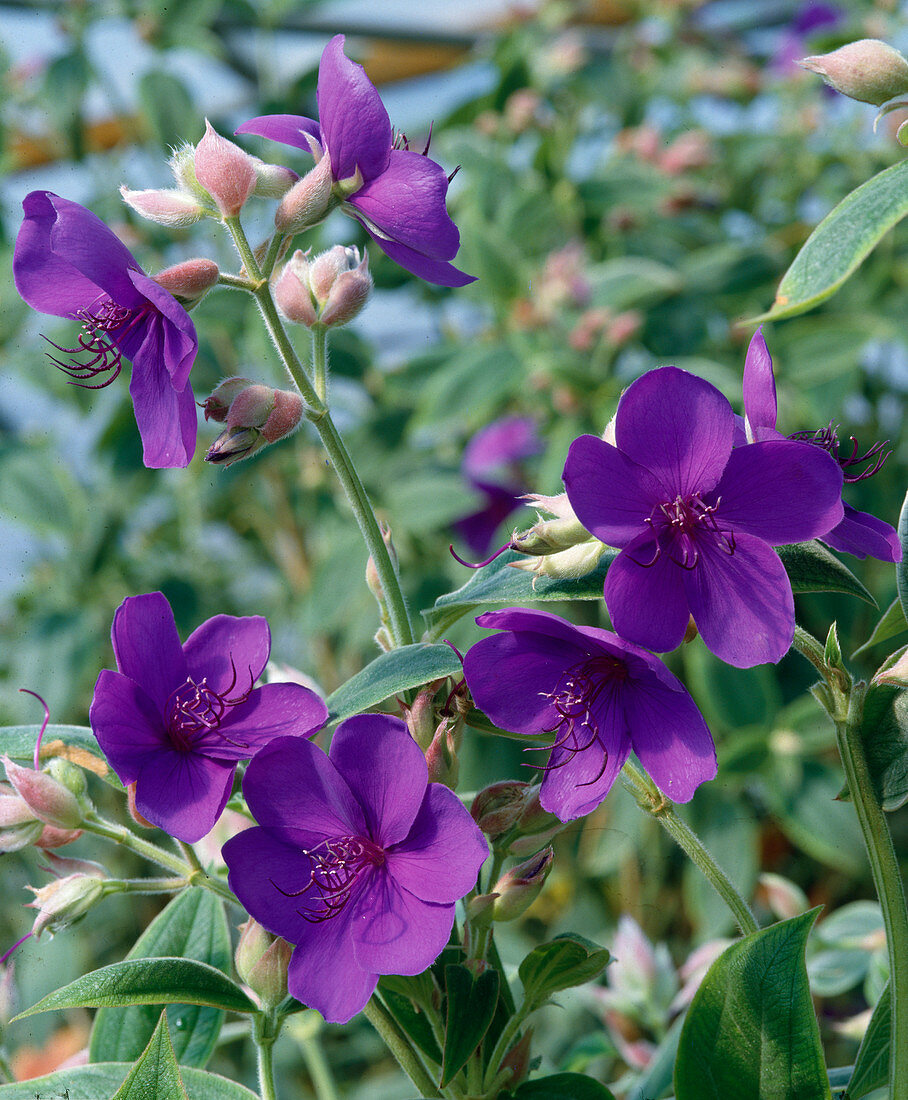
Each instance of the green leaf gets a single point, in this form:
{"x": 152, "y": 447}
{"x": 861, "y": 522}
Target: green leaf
{"x": 471, "y": 1007}
{"x": 156, "y": 1075}
{"x": 841, "y": 242}
{"x": 901, "y": 569}
{"x": 884, "y": 733}
{"x": 871, "y": 1067}
{"x": 751, "y": 1031}
{"x": 562, "y": 1086}
{"x": 892, "y": 622}
{"x": 164, "y": 981}
{"x": 499, "y": 583}
{"x": 563, "y": 962}
{"x": 101, "y": 1080}
{"x": 77, "y": 743}
{"x": 407, "y": 667}
{"x": 193, "y": 926}
{"x": 813, "y": 568}
{"x": 413, "y": 1022}
{"x": 168, "y": 108}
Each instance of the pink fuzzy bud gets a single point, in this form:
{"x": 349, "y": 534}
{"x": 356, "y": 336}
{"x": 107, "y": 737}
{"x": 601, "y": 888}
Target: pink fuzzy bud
{"x": 226, "y": 171}
{"x": 190, "y": 280}
{"x": 868, "y": 70}
{"x": 49, "y": 800}
{"x": 497, "y": 808}
{"x": 18, "y": 825}
{"x": 51, "y": 837}
{"x": 258, "y": 415}
{"x": 308, "y": 201}
{"x": 272, "y": 181}
{"x": 62, "y": 902}
{"x": 166, "y": 207}
{"x": 217, "y": 405}
{"x": 292, "y": 293}
{"x": 348, "y": 295}
{"x": 441, "y": 755}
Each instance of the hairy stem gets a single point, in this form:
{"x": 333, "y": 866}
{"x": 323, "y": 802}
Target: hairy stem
{"x": 650, "y": 799}
{"x": 400, "y": 1046}
{"x": 265, "y": 1032}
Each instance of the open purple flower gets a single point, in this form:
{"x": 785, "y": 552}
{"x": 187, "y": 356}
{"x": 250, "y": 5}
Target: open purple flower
{"x": 397, "y": 195}
{"x": 490, "y": 466}
{"x": 858, "y": 533}
{"x": 68, "y": 263}
{"x": 599, "y": 696}
{"x": 357, "y": 860}
{"x": 696, "y": 520}
{"x": 175, "y": 720}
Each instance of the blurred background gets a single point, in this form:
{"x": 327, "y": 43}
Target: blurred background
{"x": 634, "y": 179}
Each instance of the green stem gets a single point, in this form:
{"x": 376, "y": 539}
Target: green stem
{"x": 320, "y": 361}
{"x": 505, "y": 1039}
{"x": 264, "y": 1045}
{"x": 146, "y": 885}
{"x": 650, "y": 799}
{"x": 400, "y": 1046}
{"x": 270, "y": 260}
{"x": 237, "y": 282}
{"x": 317, "y": 413}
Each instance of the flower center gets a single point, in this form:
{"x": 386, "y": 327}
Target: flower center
{"x": 573, "y": 697}
{"x": 96, "y": 353}
{"x": 335, "y": 866}
{"x": 680, "y": 524}
{"x": 194, "y": 709}
{"x": 828, "y": 439}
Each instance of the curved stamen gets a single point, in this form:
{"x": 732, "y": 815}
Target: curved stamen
{"x": 335, "y": 866}
{"x": 18, "y": 943}
{"x": 828, "y": 439}
{"x": 95, "y": 341}
{"x": 41, "y": 733}
{"x": 480, "y": 564}
{"x": 196, "y": 708}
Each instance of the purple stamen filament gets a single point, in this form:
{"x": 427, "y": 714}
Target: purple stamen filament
{"x": 335, "y": 867}
{"x": 95, "y": 341}
{"x": 678, "y": 524}
{"x": 196, "y": 708}
{"x": 578, "y": 689}
{"x": 41, "y": 733}
{"x": 828, "y": 439}
{"x": 18, "y": 943}
{"x": 480, "y": 564}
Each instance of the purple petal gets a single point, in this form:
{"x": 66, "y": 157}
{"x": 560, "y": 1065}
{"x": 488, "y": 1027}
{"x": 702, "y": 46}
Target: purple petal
{"x": 440, "y": 857}
{"x": 167, "y": 420}
{"x": 385, "y": 770}
{"x": 647, "y": 603}
{"x": 781, "y": 491}
{"x": 397, "y": 933}
{"x": 742, "y": 602}
{"x": 291, "y": 784}
{"x": 862, "y": 534}
{"x": 406, "y": 203}
{"x": 275, "y": 710}
{"x": 229, "y": 652}
{"x": 324, "y": 973}
{"x": 180, "y": 342}
{"x": 611, "y": 494}
{"x": 147, "y": 646}
{"x": 262, "y": 870}
{"x": 670, "y": 738}
{"x": 126, "y": 723}
{"x": 94, "y": 250}
{"x": 511, "y": 675}
{"x": 501, "y": 443}
{"x": 759, "y": 385}
{"x": 288, "y": 129}
{"x": 575, "y": 783}
{"x": 678, "y": 426}
{"x": 183, "y": 793}
{"x": 433, "y": 271}
{"x": 354, "y": 123}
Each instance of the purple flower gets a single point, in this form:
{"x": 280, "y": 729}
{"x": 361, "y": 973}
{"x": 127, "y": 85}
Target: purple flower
{"x": 175, "y": 720}
{"x": 397, "y": 195}
{"x": 696, "y": 521}
{"x": 68, "y": 263}
{"x": 357, "y": 860}
{"x": 600, "y": 697}
{"x": 858, "y": 533}
{"x": 489, "y": 465}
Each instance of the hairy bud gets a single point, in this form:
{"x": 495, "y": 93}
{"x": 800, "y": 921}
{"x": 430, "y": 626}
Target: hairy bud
{"x": 258, "y": 415}
{"x": 308, "y": 201}
{"x": 226, "y": 171}
{"x": 190, "y": 280}
{"x": 272, "y": 181}
{"x": 329, "y": 289}
{"x": 217, "y": 405}
{"x": 868, "y": 70}
{"x": 261, "y": 961}
{"x": 48, "y": 799}
{"x": 518, "y": 888}
{"x": 175, "y": 209}
{"x": 66, "y": 900}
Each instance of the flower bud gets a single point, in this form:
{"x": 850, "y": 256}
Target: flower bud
{"x": 330, "y": 289}
{"x": 217, "y": 405}
{"x": 349, "y": 293}
{"x": 292, "y": 293}
{"x": 257, "y": 416}
{"x": 868, "y": 70}
{"x": 308, "y": 201}
{"x": 167, "y": 206}
{"x": 496, "y": 809}
{"x": 226, "y": 171}
{"x": 420, "y": 716}
{"x": 182, "y": 165}
{"x": 441, "y": 755}
{"x": 190, "y": 280}
{"x": 49, "y": 800}
{"x": 261, "y": 961}
{"x": 272, "y": 181}
{"x": 52, "y": 837}
{"x": 479, "y": 910}
{"x": 64, "y": 901}
{"x": 570, "y": 564}
{"x": 548, "y": 536}
{"x": 18, "y": 825}
{"x": 518, "y": 888}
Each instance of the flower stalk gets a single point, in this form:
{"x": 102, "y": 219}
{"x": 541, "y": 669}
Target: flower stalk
{"x": 399, "y": 1045}
{"x": 265, "y": 1031}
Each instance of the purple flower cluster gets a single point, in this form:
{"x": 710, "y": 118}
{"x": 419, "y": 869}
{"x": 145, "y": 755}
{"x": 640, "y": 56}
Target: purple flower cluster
{"x": 398, "y": 196}
{"x": 357, "y": 859}
{"x": 68, "y": 263}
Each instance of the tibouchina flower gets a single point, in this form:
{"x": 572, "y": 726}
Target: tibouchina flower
{"x": 356, "y": 859}
{"x": 858, "y": 533}
{"x": 68, "y": 263}
{"x": 490, "y": 466}
{"x": 696, "y": 521}
{"x": 396, "y": 194}
{"x": 599, "y": 696}
{"x": 176, "y": 719}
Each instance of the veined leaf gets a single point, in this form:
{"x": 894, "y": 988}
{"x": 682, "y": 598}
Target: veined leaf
{"x": 393, "y": 672}
{"x": 156, "y": 1074}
